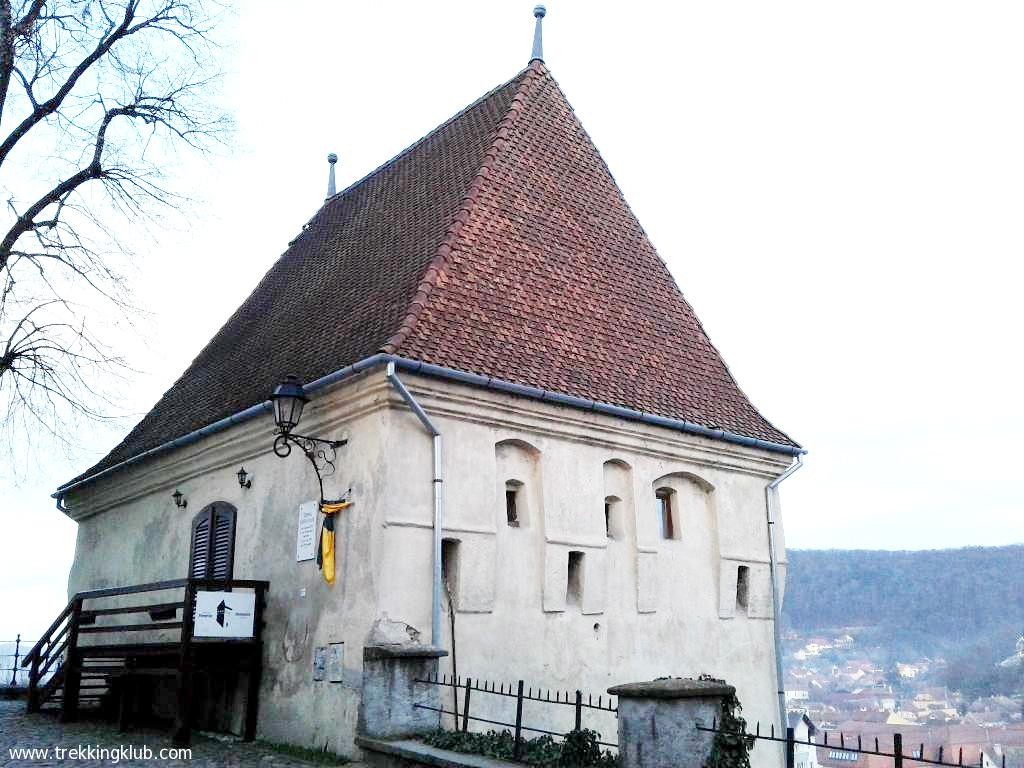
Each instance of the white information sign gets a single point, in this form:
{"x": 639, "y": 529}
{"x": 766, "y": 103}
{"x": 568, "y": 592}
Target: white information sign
{"x": 305, "y": 544}
{"x": 224, "y": 614}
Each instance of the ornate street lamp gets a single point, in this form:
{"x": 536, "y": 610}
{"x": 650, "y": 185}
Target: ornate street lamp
{"x": 289, "y": 398}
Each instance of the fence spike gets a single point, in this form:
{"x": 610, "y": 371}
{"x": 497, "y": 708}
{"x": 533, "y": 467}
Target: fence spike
{"x": 842, "y": 740}
{"x": 960, "y": 760}
{"x": 590, "y": 698}
{"x": 940, "y": 753}
{"x": 773, "y": 730}
{"x": 858, "y": 743}
{"x": 757, "y": 730}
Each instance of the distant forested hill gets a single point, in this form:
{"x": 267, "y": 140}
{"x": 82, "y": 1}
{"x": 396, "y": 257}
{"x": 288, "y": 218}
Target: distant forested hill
{"x": 927, "y": 600}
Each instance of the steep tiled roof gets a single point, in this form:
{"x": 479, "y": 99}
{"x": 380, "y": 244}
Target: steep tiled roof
{"x": 499, "y": 244}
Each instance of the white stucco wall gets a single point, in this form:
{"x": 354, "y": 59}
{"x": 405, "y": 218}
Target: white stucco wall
{"x": 649, "y": 607}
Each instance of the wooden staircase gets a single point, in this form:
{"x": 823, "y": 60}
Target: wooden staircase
{"x": 70, "y": 673}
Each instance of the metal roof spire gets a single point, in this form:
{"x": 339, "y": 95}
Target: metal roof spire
{"x": 331, "y": 189}
{"x": 539, "y": 13}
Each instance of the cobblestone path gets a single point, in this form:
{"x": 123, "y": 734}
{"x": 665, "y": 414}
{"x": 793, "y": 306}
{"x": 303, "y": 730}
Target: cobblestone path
{"x": 22, "y": 731}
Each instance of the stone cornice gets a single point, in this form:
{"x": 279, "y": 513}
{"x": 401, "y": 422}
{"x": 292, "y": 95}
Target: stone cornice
{"x": 328, "y": 413}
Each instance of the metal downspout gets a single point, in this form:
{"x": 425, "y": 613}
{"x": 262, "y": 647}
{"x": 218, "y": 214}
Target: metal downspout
{"x": 769, "y": 493}
{"x": 438, "y": 483}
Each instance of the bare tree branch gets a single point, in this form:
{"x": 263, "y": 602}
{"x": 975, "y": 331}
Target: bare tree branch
{"x": 109, "y": 87}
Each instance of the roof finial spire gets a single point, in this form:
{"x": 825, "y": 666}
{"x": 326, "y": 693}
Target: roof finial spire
{"x": 331, "y": 189}
{"x": 539, "y": 13}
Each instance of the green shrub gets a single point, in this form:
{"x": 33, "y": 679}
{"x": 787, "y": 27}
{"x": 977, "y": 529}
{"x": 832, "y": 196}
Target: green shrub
{"x": 732, "y": 745}
{"x": 579, "y": 750}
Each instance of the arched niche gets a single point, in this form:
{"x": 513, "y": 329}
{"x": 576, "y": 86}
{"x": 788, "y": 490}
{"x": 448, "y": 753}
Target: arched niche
{"x": 682, "y": 507}
{"x": 517, "y": 465}
{"x": 618, "y": 499}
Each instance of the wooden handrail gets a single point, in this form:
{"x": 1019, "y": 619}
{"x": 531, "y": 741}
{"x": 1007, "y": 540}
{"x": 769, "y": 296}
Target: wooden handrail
{"x": 46, "y": 635}
{"x": 243, "y": 583}
{"x": 154, "y": 586}
{"x": 155, "y": 626}
{"x": 93, "y": 612}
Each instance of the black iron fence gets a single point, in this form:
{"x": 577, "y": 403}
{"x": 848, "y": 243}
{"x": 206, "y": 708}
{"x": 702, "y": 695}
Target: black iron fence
{"x": 471, "y": 689}
{"x": 11, "y": 654}
{"x": 851, "y": 748}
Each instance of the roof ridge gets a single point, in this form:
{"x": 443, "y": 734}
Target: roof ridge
{"x": 429, "y": 279}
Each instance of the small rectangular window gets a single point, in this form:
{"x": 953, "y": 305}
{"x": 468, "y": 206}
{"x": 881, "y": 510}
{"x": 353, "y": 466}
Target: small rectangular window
{"x": 742, "y": 587}
{"x": 665, "y": 513}
{"x": 515, "y": 503}
{"x": 450, "y": 569}
{"x": 511, "y": 509}
{"x": 574, "y": 584}
{"x": 613, "y": 523}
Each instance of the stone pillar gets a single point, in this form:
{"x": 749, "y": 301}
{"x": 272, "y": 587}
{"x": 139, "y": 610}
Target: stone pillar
{"x": 658, "y": 721}
{"x": 386, "y": 708}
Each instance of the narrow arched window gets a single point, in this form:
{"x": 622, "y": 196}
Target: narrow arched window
{"x": 213, "y": 542}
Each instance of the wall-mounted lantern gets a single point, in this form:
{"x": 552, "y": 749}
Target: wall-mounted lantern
{"x": 179, "y": 501}
{"x": 244, "y": 481}
{"x": 289, "y": 398}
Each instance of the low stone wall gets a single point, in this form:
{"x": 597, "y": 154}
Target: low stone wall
{"x": 387, "y": 708}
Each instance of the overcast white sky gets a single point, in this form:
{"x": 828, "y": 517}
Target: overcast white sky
{"x": 837, "y": 188}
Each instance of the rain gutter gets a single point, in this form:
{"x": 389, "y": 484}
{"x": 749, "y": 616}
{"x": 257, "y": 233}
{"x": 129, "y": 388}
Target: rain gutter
{"x": 769, "y": 494}
{"x": 438, "y": 483}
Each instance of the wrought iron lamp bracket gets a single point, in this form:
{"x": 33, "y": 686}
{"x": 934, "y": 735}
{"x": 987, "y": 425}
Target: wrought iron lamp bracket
{"x": 322, "y": 454}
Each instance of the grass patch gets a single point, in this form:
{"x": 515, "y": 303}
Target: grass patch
{"x": 318, "y": 756}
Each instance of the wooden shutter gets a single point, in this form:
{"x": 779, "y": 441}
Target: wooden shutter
{"x": 200, "y": 545}
{"x": 213, "y": 542}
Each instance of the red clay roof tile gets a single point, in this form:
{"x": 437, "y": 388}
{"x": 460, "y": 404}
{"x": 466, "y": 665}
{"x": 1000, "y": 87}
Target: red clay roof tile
{"x": 499, "y": 244}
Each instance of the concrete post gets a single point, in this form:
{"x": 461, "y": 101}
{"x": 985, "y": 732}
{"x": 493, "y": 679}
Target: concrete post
{"x": 658, "y": 721}
{"x": 386, "y": 708}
